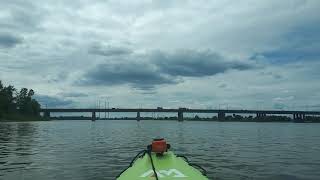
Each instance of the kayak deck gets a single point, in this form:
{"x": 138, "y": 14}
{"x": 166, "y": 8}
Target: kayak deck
{"x": 167, "y": 166}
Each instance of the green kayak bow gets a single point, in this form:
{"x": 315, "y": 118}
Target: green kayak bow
{"x": 159, "y": 163}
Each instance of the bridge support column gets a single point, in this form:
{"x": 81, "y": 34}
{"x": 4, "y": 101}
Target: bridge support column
{"x": 93, "y": 116}
{"x": 221, "y": 116}
{"x": 138, "y": 116}
{"x": 180, "y": 115}
{"x": 299, "y": 117}
{"x": 261, "y": 115}
{"x": 46, "y": 114}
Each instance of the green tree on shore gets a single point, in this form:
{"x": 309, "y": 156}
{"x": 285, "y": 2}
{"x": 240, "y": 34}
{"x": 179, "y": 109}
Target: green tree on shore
{"x": 21, "y": 103}
{"x": 7, "y": 99}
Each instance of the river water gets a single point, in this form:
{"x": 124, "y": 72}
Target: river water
{"x": 77, "y": 150}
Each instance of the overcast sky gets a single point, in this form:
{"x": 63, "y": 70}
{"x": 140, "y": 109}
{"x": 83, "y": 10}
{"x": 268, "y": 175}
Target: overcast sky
{"x": 199, "y": 54}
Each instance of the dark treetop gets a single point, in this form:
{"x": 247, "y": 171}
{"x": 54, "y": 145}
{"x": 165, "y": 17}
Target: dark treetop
{"x": 17, "y": 105}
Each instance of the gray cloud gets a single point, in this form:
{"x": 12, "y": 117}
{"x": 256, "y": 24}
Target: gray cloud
{"x": 190, "y": 63}
{"x": 108, "y": 50}
{"x": 8, "y": 40}
{"x": 274, "y": 75}
{"x": 22, "y": 16}
{"x": 222, "y": 85}
{"x": 279, "y": 105}
{"x": 159, "y": 67}
{"x": 51, "y": 101}
{"x": 138, "y": 75}
{"x": 55, "y": 40}
{"x": 73, "y": 94}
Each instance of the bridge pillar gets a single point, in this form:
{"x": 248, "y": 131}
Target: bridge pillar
{"x": 221, "y": 116}
{"x": 299, "y": 117}
{"x": 261, "y": 115}
{"x": 93, "y": 116}
{"x": 46, "y": 114}
{"x": 180, "y": 115}
{"x": 138, "y": 116}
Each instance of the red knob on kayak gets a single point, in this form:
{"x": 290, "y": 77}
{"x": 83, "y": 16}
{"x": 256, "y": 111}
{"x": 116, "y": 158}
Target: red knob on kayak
{"x": 159, "y": 146}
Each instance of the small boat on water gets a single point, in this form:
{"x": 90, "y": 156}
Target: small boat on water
{"x": 158, "y": 162}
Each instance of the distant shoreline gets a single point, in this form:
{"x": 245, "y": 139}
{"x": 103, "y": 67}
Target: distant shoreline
{"x": 5, "y": 120}
{"x": 279, "y": 119}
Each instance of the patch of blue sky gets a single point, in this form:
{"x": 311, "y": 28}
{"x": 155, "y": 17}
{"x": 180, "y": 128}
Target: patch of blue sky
{"x": 301, "y": 43}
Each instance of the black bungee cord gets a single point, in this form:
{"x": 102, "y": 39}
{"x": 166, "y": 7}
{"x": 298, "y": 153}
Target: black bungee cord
{"x": 153, "y": 168}
{"x": 141, "y": 154}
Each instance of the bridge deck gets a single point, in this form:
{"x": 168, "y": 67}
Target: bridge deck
{"x": 184, "y": 110}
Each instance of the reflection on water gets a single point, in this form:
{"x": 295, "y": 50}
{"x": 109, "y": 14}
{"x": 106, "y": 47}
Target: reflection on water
{"x": 100, "y": 150}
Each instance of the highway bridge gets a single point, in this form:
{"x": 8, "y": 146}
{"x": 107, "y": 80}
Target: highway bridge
{"x": 296, "y": 115}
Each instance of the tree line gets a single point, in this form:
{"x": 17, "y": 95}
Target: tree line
{"x": 14, "y": 102}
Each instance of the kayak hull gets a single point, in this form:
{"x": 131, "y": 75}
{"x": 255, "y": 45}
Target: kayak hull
{"x": 168, "y": 167}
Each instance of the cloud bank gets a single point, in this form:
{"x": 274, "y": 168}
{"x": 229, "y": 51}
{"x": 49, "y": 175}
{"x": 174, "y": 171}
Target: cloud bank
{"x": 161, "y": 68}
{"x": 194, "y": 53}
